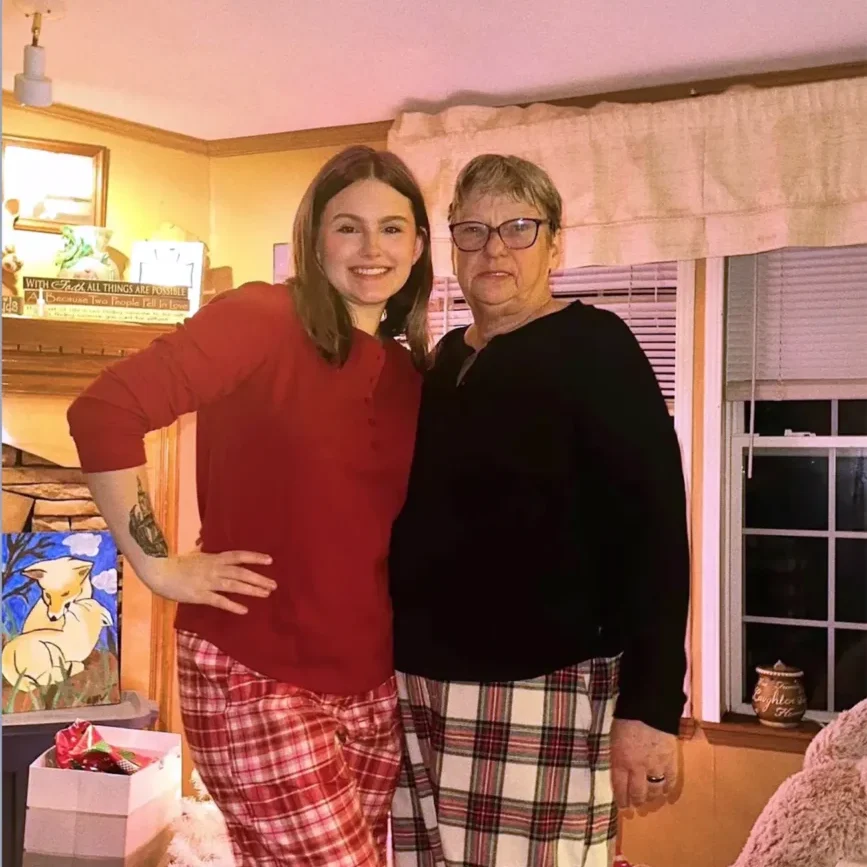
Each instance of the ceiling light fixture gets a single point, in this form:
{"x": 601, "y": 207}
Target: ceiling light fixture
{"x": 32, "y": 87}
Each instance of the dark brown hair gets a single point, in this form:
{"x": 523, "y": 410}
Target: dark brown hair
{"x": 320, "y": 308}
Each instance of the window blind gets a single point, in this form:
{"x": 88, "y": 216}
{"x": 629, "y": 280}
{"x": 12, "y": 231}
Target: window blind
{"x": 809, "y": 334}
{"x": 644, "y": 296}
{"x": 447, "y": 308}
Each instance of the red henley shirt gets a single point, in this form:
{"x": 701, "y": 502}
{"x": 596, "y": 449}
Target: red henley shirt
{"x": 296, "y": 458}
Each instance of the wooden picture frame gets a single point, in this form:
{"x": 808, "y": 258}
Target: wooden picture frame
{"x": 40, "y": 209}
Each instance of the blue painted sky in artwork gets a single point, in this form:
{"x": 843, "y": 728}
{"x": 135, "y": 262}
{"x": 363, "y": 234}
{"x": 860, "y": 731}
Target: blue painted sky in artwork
{"x": 97, "y": 547}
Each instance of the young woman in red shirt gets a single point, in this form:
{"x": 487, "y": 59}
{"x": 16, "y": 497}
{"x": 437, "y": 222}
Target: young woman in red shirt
{"x": 306, "y": 421}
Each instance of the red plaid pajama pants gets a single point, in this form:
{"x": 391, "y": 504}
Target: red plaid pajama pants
{"x": 300, "y": 777}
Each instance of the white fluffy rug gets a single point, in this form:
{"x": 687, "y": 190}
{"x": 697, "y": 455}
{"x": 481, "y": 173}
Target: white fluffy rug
{"x": 200, "y": 834}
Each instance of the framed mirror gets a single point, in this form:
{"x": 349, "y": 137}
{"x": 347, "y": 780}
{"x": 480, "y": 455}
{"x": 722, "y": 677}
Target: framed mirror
{"x": 56, "y": 183}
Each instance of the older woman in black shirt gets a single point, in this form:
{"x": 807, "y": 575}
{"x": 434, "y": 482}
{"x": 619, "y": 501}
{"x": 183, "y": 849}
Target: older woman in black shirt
{"x": 540, "y": 566}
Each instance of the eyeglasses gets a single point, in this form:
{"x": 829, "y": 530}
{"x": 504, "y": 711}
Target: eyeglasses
{"x": 472, "y": 236}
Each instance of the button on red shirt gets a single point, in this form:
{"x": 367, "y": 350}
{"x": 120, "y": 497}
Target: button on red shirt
{"x": 296, "y": 458}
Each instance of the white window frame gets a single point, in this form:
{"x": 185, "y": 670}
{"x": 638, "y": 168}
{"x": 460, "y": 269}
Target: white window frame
{"x": 720, "y": 642}
{"x": 713, "y": 591}
{"x": 684, "y": 365}
{"x": 684, "y": 378}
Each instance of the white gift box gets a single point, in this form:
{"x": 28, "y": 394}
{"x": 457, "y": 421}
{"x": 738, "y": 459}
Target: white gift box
{"x": 86, "y": 817}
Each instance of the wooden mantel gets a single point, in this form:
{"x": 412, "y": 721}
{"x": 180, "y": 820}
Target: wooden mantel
{"x": 47, "y": 356}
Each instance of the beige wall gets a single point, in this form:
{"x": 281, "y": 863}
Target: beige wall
{"x": 253, "y": 203}
{"x": 241, "y": 206}
{"x": 722, "y": 792}
{"x": 147, "y": 185}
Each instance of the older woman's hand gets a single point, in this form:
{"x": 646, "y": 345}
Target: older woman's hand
{"x": 643, "y": 763}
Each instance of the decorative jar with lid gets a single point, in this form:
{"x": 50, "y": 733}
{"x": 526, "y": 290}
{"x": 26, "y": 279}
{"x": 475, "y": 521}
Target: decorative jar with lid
{"x": 779, "y": 699}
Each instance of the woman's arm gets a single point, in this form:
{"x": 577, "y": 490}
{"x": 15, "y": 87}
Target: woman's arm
{"x": 202, "y": 360}
{"x": 123, "y": 500}
{"x": 635, "y": 433}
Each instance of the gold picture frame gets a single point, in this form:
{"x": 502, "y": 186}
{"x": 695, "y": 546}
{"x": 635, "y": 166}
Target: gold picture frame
{"x": 56, "y": 183}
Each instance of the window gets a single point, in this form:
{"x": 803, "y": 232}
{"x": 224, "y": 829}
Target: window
{"x": 798, "y": 537}
{"x": 447, "y": 308}
{"x": 645, "y": 296}
{"x": 796, "y": 342}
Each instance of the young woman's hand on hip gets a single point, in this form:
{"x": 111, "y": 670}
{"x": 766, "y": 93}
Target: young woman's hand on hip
{"x": 203, "y": 579}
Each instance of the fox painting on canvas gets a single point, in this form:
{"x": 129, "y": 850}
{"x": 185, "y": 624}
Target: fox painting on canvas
{"x": 61, "y": 620}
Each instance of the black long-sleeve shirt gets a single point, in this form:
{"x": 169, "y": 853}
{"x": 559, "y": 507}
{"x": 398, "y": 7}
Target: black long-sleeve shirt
{"x": 545, "y": 520}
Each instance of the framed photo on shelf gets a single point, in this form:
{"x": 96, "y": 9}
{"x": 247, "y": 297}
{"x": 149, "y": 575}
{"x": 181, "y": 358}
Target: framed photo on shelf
{"x": 170, "y": 263}
{"x": 284, "y": 264}
{"x": 56, "y": 183}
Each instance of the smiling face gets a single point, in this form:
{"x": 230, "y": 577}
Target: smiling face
{"x": 367, "y": 244}
{"x": 497, "y": 278}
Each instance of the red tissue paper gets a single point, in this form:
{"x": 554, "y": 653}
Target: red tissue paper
{"x": 80, "y": 747}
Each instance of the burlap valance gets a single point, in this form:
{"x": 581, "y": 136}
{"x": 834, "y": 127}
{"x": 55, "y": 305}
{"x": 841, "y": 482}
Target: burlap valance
{"x": 742, "y": 172}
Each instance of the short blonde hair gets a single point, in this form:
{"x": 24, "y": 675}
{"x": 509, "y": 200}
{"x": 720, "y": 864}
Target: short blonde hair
{"x": 517, "y": 178}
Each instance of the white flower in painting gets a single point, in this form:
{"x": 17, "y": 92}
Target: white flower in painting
{"x": 106, "y": 581}
{"x": 83, "y": 544}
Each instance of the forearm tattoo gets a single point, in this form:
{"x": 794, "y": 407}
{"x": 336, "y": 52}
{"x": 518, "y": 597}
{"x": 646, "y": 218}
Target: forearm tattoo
{"x": 143, "y": 526}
